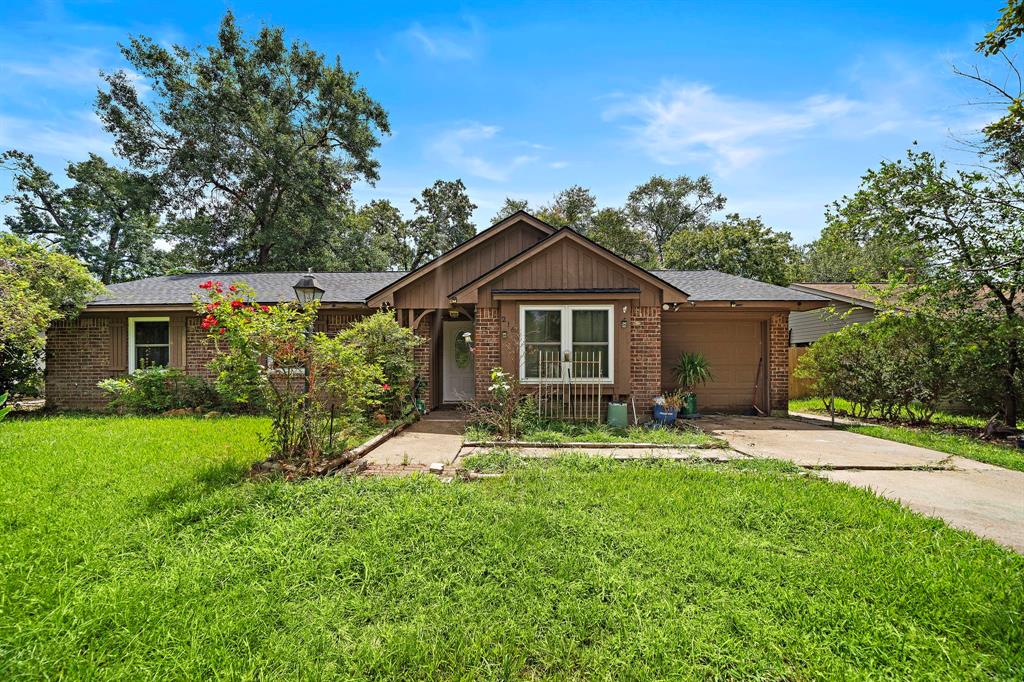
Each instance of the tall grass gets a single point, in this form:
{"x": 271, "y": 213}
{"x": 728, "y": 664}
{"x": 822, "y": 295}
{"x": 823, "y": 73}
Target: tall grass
{"x": 134, "y": 548}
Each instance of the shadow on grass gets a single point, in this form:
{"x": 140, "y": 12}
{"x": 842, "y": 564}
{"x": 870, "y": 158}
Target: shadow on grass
{"x": 207, "y": 481}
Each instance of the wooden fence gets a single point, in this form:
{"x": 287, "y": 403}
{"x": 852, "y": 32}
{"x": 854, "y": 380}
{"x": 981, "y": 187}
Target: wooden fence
{"x": 798, "y": 388}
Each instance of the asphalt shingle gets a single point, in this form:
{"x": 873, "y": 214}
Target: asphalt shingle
{"x": 270, "y": 287}
{"x": 711, "y": 285}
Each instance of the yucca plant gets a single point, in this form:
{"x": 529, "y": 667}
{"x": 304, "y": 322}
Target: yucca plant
{"x": 691, "y": 369}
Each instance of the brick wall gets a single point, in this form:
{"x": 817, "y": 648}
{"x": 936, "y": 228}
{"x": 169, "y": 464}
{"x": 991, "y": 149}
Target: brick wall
{"x": 486, "y": 348}
{"x": 645, "y": 358}
{"x": 77, "y": 357}
{"x": 199, "y": 349}
{"x": 778, "y": 363}
{"x": 421, "y": 356}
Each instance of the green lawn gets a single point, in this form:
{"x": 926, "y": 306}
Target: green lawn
{"x": 583, "y": 432}
{"x": 134, "y": 548}
{"x": 934, "y": 437}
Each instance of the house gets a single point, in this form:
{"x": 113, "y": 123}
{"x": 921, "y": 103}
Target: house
{"x": 850, "y": 303}
{"x": 521, "y": 288}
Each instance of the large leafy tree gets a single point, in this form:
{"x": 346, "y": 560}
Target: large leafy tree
{"x": 661, "y": 207}
{"x": 108, "y": 217}
{"x": 611, "y": 229}
{"x": 739, "y": 246}
{"x": 373, "y": 239}
{"x": 573, "y": 207}
{"x": 258, "y": 143}
{"x": 37, "y": 287}
{"x": 510, "y": 207}
{"x": 968, "y": 226}
{"x": 442, "y": 220}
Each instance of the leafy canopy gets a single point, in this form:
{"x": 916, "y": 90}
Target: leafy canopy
{"x": 257, "y": 143}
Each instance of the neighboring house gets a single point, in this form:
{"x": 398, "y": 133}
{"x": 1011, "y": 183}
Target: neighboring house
{"x": 569, "y": 294}
{"x": 850, "y": 304}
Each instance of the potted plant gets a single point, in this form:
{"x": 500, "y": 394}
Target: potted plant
{"x": 691, "y": 369}
{"x": 666, "y": 408}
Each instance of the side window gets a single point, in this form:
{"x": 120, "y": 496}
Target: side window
{"x": 149, "y": 343}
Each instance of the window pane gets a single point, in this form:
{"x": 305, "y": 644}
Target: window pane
{"x": 547, "y": 353}
{"x": 148, "y": 356}
{"x": 589, "y": 326}
{"x": 590, "y": 360}
{"x": 151, "y": 332}
{"x": 543, "y": 325}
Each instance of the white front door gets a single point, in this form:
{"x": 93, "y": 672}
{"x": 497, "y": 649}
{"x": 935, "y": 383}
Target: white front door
{"x": 458, "y": 362}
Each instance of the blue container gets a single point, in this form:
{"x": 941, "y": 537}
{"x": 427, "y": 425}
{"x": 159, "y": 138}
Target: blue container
{"x": 663, "y": 415}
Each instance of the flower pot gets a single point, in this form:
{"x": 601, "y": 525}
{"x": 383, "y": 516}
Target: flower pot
{"x": 690, "y": 405}
{"x": 664, "y": 415}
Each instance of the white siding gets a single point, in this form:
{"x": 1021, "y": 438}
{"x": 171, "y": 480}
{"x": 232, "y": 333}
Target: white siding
{"x": 813, "y": 324}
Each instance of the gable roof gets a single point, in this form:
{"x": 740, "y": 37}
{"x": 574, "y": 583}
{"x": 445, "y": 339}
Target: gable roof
{"x": 712, "y": 285}
{"x": 270, "y": 287}
{"x": 848, "y": 292}
{"x": 561, "y": 235}
{"x": 519, "y": 216}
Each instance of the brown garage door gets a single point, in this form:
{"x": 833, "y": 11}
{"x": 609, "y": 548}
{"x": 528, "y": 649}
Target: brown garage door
{"x": 732, "y": 347}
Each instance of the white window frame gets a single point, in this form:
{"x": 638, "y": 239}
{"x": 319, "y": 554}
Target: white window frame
{"x": 131, "y": 339}
{"x": 566, "y": 340}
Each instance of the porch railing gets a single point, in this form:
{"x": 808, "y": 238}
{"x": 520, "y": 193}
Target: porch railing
{"x": 569, "y": 389}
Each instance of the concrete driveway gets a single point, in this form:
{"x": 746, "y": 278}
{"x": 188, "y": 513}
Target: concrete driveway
{"x": 984, "y": 499}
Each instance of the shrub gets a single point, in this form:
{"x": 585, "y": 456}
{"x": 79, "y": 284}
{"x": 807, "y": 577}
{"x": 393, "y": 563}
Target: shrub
{"x": 897, "y": 363}
{"x": 157, "y": 389}
{"x": 507, "y": 412}
{"x": 388, "y": 345}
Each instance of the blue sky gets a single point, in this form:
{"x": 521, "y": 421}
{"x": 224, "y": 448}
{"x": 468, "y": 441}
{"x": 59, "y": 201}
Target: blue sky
{"x": 785, "y": 105}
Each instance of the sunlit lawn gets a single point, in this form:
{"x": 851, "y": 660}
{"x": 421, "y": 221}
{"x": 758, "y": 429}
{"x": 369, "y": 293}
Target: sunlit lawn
{"x": 137, "y": 549}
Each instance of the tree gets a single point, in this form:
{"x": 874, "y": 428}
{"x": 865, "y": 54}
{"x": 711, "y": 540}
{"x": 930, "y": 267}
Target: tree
{"x": 969, "y": 228}
{"x": 738, "y": 246}
{"x": 612, "y": 231}
{"x": 573, "y": 207}
{"x": 108, "y": 218}
{"x": 374, "y": 239}
{"x": 37, "y": 288}
{"x": 257, "y": 143}
{"x": 442, "y": 221}
{"x": 510, "y": 207}
{"x": 661, "y": 207}
{"x": 857, "y": 251}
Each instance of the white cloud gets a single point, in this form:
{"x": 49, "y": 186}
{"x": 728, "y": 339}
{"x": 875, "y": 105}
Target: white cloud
{"x": 558, "y": 164}
{"x": 71, "y": 139}
{"x": 464, "y": 148}
{"x": 446, "y": 43}
{"x": 691, "y": 122}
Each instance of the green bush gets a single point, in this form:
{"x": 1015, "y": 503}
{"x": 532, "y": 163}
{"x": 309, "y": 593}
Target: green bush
{"x": 388, "y": 345}
{"x": 896, "y": 364}
{"x": 158, "y": 389}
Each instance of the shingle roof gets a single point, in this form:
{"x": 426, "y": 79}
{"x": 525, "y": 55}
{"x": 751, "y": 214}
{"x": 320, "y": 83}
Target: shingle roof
{"x": 355, "y": 287}
{"x": 270, "y": 287}
{"x": 844, "y": 290}
{"x": 711, "y": 285}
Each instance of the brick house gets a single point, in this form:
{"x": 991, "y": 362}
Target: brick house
{"x": 516, "y": 293}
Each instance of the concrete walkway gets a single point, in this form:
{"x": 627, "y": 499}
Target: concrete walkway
{"x": 984, "y": 499}
{"x": 436, "y": 437}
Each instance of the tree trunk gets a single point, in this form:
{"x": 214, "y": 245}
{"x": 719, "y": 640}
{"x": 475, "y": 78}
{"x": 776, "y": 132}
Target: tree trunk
{"x": 1010, "y": 403}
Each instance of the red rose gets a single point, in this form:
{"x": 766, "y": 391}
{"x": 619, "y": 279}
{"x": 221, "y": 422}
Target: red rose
{"x": 232, "y": 288}
{"x": 206, "y": 285}
{"x": 236, "y": 304}
{"x": 209, "y": 321}
{"x": 222, "y": 330}
{"x": 265, "y": 308}
{"x": 385, "y": 387}
{"x": 210, "y": 307}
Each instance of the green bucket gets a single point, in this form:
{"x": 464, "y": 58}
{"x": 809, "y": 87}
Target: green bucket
{"x": 617, "y": 415}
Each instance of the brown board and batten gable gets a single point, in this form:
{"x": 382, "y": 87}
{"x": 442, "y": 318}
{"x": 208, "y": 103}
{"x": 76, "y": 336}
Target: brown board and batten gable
{"x": 567, "y": 263}
{"x": 428, "y": 286}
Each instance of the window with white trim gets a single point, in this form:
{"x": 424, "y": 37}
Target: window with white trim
{"x": 149, "y": 342}
{"x": 579, "y": 337}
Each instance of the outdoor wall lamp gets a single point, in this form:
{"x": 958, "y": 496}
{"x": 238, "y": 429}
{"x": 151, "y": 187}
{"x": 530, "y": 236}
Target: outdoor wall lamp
{"x": 307, "y": 289}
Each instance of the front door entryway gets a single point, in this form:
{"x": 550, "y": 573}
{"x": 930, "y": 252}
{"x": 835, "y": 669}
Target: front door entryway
{"x": 458, "y": 362}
